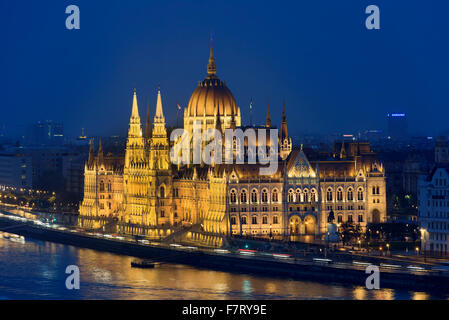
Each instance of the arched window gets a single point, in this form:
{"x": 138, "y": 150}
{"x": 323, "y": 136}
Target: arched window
{"x": 291, "y": 197}
{"x": 264, "y": 196}
{"x": 275, "y": 220}
{"x": 254, "y": 196}
{"x": 274, "y": 196}
{"x": 243, "y": 219}
{"x": 298, "y": 195}
{"x": 374, "y": 190}
{"x": 233, "y": 196}
{"x": 101, "y": 186}
{"x": 233, "y": 220}
{"x": 340, "y": 194}
{"x": 329, "y": 194}
{"x": 162, "y": 190}
{"x": 313, "y": 195}
{"x": 305, "y": 195}
{"x": 243, "y": 197}
{"x": 360, "y": 194}
{"x": 264, "y": 220}
{"x": 254, "y": 219}
{"x": 350, "y": 194}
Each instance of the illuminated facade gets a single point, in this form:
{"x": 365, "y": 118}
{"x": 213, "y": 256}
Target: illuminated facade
{"x": 207, "y": 203}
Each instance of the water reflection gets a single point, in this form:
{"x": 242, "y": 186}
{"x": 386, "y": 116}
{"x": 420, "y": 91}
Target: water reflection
{"x": 36, "y": 270}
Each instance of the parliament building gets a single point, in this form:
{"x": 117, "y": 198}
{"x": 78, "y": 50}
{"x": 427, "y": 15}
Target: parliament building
{"x": 145, "y": 194}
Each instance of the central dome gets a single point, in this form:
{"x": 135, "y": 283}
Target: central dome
{"x": 211, "y": 94}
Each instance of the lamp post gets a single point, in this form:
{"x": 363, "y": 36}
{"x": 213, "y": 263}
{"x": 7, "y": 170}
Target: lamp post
{"x": 388, "y": 249}
{"x": 423, "y": 237}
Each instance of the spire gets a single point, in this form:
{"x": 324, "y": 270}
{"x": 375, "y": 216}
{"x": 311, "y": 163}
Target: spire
{"x": 100, "y": 153}
{"x": 284, "y": 131}
{"x": 211, "y": 67}
{"x": 135, "y": 109}
{"x": 91, "y": 153}
{"x": 268, "y": 123}
{"x": 342, "y": 150}
{"x": 159, "y": 117}
{"x": 148, "y": 124}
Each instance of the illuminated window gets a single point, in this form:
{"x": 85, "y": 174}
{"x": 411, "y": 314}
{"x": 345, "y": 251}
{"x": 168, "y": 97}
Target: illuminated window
{"x": 274, "y": 196}
{"x": 329, "y": 194}
{"x": 340, "y": 194}
{"x": 254, "y": 196}
{"x": 243, "y": 198}
{"x": 291, "y": 197}
{"x": 350, "y": 194}
{"x": 233, "y": 196}
{"x": 264, "y": 196}
{"x": 360, "y": 194}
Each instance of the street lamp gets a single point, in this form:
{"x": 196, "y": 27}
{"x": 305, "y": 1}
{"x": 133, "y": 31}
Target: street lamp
{"x": 388, "y": 249}
{"x": 423, "y": 237}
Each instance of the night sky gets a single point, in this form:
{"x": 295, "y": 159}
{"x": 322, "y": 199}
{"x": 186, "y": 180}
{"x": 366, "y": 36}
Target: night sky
{"x": 335, "y": 75}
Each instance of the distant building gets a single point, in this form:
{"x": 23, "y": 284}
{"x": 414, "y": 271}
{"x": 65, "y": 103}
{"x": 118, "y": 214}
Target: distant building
{"x": 433, "y": 202}
{"x": 397, "y": 125}
{"x": 15, "y": 169}
{"x": 433, "y": 213}
{"x": 45, "y": 133}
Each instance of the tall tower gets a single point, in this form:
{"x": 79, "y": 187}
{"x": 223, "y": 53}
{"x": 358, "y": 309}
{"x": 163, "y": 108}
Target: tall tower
{"x": 285, "y": 141}
{"x": 135, "y": 184}
{"x": 160, "y": 175}
{"x": 268, "y": 122}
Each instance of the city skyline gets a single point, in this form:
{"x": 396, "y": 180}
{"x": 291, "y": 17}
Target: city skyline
{"x": 267, "y": 54}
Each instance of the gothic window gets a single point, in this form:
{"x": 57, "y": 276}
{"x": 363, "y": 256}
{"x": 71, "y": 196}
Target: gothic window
{"x": 233, "y": 220}
{"x": 340, "y": 194}
{"x": 264, "y": 196}
{"x": 313, "y": 195}
{"x": 264, "y": 220}
{"x": 275, "y": 220}
{"x": 340, "y": 219}
{"x": 360, "y": 194}
{"x": 162, "y": 190}
{"x": 350, "y": 194}
{"x": 274, "y": 196}
{"x": 298, "y": 195}
{"x": 291, "y": 196}
{"x": 360, "y": 218}
{"x": 254, "y": 196}
{"x": 306, "y": 195}
{"x": 243, "y": 198}
{"x": 101, "y": 186}
{"x": 350, "y": 218}
{"x": 233, "y": 196}
{"x": 329, "y": 194}
{"x": 243, "y": 219}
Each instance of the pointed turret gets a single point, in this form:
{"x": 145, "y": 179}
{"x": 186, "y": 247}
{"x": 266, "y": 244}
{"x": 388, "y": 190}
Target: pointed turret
{"x": 135, "y": 108}
{"x": 100, "y": 157}
{"x": 211, "y": 67}
{"x": 148, "y": 124}
{"x": 284, "y": 130}
{"x": 91, "y": 154}
{"x": 342, "y": 149}
{"x": 135, "y": 129}
{"x": 285, "y": 141}
{"x": 268, "y": 122}
{"x": 159, "y": 116}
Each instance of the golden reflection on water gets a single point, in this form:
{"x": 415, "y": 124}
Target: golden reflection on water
{"x": 110, "y": 276}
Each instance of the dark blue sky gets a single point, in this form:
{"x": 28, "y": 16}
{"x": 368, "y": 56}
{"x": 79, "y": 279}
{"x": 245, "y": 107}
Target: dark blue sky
{"x": 334, "y": 74}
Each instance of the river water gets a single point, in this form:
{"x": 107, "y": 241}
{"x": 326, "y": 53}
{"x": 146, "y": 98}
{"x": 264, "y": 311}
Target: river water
{"x": 36, "y": 270}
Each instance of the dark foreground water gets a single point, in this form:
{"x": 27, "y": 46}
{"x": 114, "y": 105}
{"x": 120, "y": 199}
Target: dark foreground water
{"x": 36, "y": 270}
